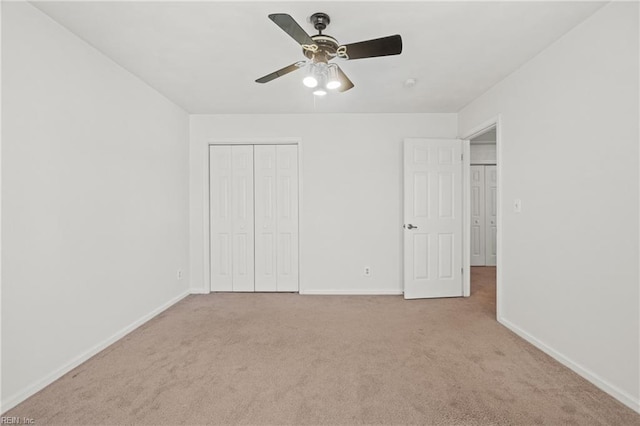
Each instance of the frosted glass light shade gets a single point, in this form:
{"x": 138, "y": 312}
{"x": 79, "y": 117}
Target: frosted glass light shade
{"x": 332, "y": 77}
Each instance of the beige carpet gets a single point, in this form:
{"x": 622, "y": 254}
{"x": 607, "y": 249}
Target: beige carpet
{"x": 291, "y": 359}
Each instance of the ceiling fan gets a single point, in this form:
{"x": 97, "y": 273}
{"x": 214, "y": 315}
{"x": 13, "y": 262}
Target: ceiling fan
{"x": 320, "y": 49}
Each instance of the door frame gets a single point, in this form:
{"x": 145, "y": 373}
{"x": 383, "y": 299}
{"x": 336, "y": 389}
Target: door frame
{"x": 496, "y": 122}
{"x": 206, "y": 218}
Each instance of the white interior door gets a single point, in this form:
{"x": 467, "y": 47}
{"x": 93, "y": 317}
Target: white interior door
{"x": 276, "y": 207}
{"x": 265, "y": 210}
{"x": 221, "y": 229}
{"x": 477, "y": 216}
{"x": 243, "y": 218}
{"x": 433, "y": 218}
{"x": 491, "y": 194}
{"x": 254, "y": 217}
{"x": 287, "y": 217}
{"x": 231, "y": 218}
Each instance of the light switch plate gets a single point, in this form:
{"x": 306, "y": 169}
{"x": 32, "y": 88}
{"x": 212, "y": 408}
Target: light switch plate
{"x": 517, "y": 205}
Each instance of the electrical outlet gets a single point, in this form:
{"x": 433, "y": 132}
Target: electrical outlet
{"x": 179, "y": 274}
{"x": 367, "y": 271}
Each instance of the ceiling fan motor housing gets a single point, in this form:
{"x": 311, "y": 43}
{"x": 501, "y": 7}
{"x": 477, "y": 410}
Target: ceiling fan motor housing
{"x": 320, "y": 21}
{"x": 327, "y": 48}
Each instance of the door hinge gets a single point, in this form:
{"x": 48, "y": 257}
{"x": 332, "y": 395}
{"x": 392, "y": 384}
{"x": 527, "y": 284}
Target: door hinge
{"x": 462, "y": 271}
{"x": 461, "y": 157}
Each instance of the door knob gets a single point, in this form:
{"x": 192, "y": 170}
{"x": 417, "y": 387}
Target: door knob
{"x": 410, "y": 226}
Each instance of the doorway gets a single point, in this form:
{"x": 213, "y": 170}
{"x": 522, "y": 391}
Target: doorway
{"x": 483, "y": 201}
{"x": 483, "y": 247}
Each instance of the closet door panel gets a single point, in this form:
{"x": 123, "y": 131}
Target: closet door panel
{"x": 221, "y": 233}
{"x": 491, "y": 203}
{"x": 243, "y": 217}
{"x": 287, "y": 217}
{"x": 477, "y": 216}
{"x": 265, "y": 217}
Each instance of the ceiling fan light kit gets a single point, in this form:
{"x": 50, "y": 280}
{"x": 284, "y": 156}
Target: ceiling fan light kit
{"x": 323, "y": 75}
{"x": 332, "y": 77}
{"x": 320, "y": 49}
{"x": 310, "y": 81}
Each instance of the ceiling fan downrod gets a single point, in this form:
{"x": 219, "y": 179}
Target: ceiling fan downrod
{"x": 320, "y": 21}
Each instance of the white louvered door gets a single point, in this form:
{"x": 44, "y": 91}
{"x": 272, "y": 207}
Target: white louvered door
{"x": 433, "y": 218}
{"x": 254, "y": 217}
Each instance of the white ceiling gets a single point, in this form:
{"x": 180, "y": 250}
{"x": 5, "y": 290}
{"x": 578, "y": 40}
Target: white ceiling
{"x": 205, "y": 56}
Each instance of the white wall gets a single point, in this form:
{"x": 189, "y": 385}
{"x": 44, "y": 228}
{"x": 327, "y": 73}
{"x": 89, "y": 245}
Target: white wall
{"x": 483, "y": 153}
{"x": 570, "y": 153}
{"x": 351, "y": 212}
{"x": 95, "y": 200}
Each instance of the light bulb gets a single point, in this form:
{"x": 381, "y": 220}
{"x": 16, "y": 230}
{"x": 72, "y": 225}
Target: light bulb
{"x": 332, "y": 77}
{"x": 319, "y": 92}
{"x": 333, "y": 84}
{"x": 310, "y": 81}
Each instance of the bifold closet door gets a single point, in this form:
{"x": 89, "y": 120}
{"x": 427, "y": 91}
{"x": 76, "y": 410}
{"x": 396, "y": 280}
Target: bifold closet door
{"x": 491, "y": 202}
{"x": 478, "y": 245}
{"x": 253, "y": 217}
{"x": 265, "y": 209}
{"x": 287, "y": 217}
{"x": 276, "y": 220}
{"x": 231, "y": 218}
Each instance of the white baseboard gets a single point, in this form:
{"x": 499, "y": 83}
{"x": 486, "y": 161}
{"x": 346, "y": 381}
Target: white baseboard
{"x": 612, "y": 390}
{"x": 341, "y": 292}
{"x": 31, "y": 389}
{"x": 353, "y": 292}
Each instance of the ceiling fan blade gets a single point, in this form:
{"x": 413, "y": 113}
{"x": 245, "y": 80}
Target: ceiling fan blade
{"x": 282, "y": 71}
{"x": 384, "y": 46}
{"x": 345, "y": 83}
{"x": 291, "y": 27}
